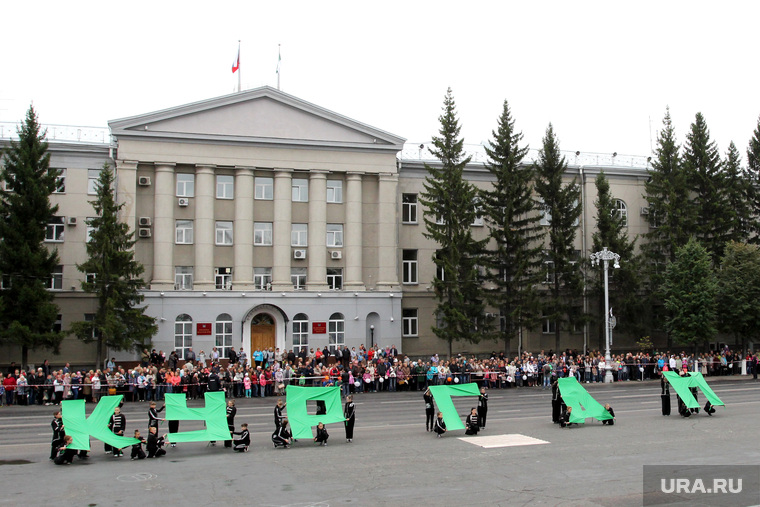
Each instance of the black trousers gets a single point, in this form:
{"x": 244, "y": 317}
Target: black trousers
{"x": 350, "y": 428}
{"x": 429, "y": 418}
{"x": 482, "y": 412}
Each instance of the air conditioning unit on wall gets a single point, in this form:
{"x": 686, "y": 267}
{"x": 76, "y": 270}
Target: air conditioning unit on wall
{"x": 336, "y": 254}
{"x": 299, "y": 254}
{"x": 644, "y": 210}
{"x": 183, "y": 201}
{"x": 72, "y": 221}
{"x": 145, "y": 222}
{"x": 143, "y": 181}
{"x": 144, "y": 233}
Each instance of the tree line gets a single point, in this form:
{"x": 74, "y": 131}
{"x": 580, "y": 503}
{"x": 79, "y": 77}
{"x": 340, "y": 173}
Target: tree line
{"x": 693, "y": 274}
{"x": 28, "y": 312}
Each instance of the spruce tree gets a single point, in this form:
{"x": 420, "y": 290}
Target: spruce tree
{"x": 689, "y": 292}
{"x": 27, "y": 310}
{"x": 624, "y": 283}
{"x": 738, "y": 195}
{"x": 451, "y": 209}
{"x": 702, "y": 165}
{"x": 113, "y": 275}
{"x": 670, "y": 209}
{"x": 738, "y": 296}
{"x": 514, "y": 261}
{"x": 561, "y": 206}
{"x": 753, "y": 175}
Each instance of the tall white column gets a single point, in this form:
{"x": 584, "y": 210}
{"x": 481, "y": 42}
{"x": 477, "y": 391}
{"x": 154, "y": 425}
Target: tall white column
{"x": 204, "y": 227}
{"x": 242, "y": 273}
{"x": 387, "y": 274}
{"x": 281, "y": 233}
{"x": 316, "y": 278}
{"x": 353, "y": 238}
{"x": 163, "y": 228}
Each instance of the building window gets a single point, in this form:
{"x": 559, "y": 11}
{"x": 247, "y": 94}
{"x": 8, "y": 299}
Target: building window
{"x": 184, "y": 232}
{"x": 335, "y": 278}
{"x": 93, "y": 175}
{"x": 264, "y": 188}
{"x": 183, "y": 334}
{"x": 223, "y": 334}
{"x": 185, "y": 185}
{"x": 335, "y": 191}
{"x": 90, "y": 230}
{"x": 225, "y": 187}
{"x": 262, "y": 233}
{"x": 299, "y": 235}
{"x": 223, "y": 279}
{"x": 90, "y": 277}
{"x": 409, "y": 208}
{"x": 409, "y": 322}
{"x": 54, "y": 230}
{"x": 224, "y": 233}
{"x": 298, "y": 278}
{"x": 409, "y": 266}
{"x": 548, "y": 326}
{"x": 183, "y": 278}
{"x": 60, "y": 183}
{"x": 336, "y": 331}
{"x": 478, "y": 220}
{"x": 549, "y": 272}
{"x": 621, "y": 210}
{"x": 300, "y": 187}
{"x": 58, "y": 324}
{"x": 262, "y": 278}
{"x": 300, "y": 332}
{"x": 440, "y": 273}
{"x": 546, "y": 216}
{"x": 90, "y": 317}
{"x": 56, "y": 279}
{"x": 334, "y": 235}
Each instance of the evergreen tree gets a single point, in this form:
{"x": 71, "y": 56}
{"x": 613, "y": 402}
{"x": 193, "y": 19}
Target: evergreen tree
{"x": 27, "y": 310}
{"x": 561, "y": 207}
{"x": 114, "y": 277}
{"x": 670, "y": 209}
{"x": 738, "y": 196}
{"x": 450, "y": 201}
{"x": 702, "y": 165}
{"x": 624, "y": 283}
{"x": 753, "y": 175}
{"x": 514, "y": 262}
{"x": 689, "y": 292}
{"x": 738, "y": 299}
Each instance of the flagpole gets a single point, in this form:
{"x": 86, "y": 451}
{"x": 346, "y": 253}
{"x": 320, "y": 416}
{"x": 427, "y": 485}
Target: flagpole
{"x": 279, "y": 58}
{"x": 238, "y": 71}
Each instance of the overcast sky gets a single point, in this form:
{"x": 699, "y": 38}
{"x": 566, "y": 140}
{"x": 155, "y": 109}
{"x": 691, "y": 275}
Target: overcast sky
{"x": 601, "y": 72}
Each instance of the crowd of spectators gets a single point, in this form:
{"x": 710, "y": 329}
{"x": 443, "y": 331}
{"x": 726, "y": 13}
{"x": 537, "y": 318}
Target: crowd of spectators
{"x": 355, "y": 371}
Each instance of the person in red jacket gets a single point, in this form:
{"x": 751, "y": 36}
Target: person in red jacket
{"x": 10, "y": 387}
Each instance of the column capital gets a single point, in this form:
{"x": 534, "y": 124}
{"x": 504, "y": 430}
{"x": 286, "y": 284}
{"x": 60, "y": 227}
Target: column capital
{"x": 318, "y": 174}
{"x": 126, "y": 164}
{"x": 282, "y": 171}
{"x": 204, "y": 168}
{"x": 164, "y": 166}
{"x": 354, "y": 175}
{"x": 244, "y": 170}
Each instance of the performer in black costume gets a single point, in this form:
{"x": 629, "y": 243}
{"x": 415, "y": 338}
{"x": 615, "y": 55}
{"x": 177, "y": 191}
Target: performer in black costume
{"x": 58, "y": 434}
{"x": 693, "y": 390}
{"x": 609, "y": 422}
{"x": 117, "y": 425}
{"x": 472, "y": 424}
{"x": 322, "y": 434}
{"x": 153, "y": 415}
{"x": 242, "y": 443}
{"x": 65, "y": 455}
{"x": 349, "y": 412}
{"x": 428, "y": 397}
{"x": 665, "y": 396}
{"x": 231, "y": 412}
{"x": 137, "y": 450}
{"x": 556, "y": 402}
{"x": 281, "y": 436}
{"x": 278, "y": 417}
{"x": 564, "y": 418}
{"x": 482, "y": 407}
{"x": 155, "y": 443}
{"x": 440, "y": 426}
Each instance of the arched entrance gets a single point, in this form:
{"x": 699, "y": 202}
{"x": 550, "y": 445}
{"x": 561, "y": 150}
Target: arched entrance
{"x": 263, "y": 332}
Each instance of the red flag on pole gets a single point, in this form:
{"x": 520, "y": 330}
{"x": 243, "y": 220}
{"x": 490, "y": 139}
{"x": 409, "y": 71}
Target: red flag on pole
{"x": 236, "y": 65}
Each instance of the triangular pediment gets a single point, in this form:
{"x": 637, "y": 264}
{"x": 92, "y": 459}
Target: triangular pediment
{"x": 261, "y": 116}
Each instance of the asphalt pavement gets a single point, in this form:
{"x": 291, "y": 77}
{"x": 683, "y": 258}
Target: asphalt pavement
{"x": 393, "y": 460}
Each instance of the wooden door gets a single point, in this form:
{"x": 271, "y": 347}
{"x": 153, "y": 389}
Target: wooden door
{"x": 262, "y": 336}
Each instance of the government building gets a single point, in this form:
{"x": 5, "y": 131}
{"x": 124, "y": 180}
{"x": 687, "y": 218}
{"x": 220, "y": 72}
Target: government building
{"x": 263, "y": 220}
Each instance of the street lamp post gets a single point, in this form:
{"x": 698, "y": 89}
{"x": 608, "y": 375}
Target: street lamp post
{"x": 371, "y": 335}
{"x": 606, "y": 256}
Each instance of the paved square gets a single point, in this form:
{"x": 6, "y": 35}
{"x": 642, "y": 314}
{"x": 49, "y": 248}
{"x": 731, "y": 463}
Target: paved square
{"x": 509, "y": 440}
